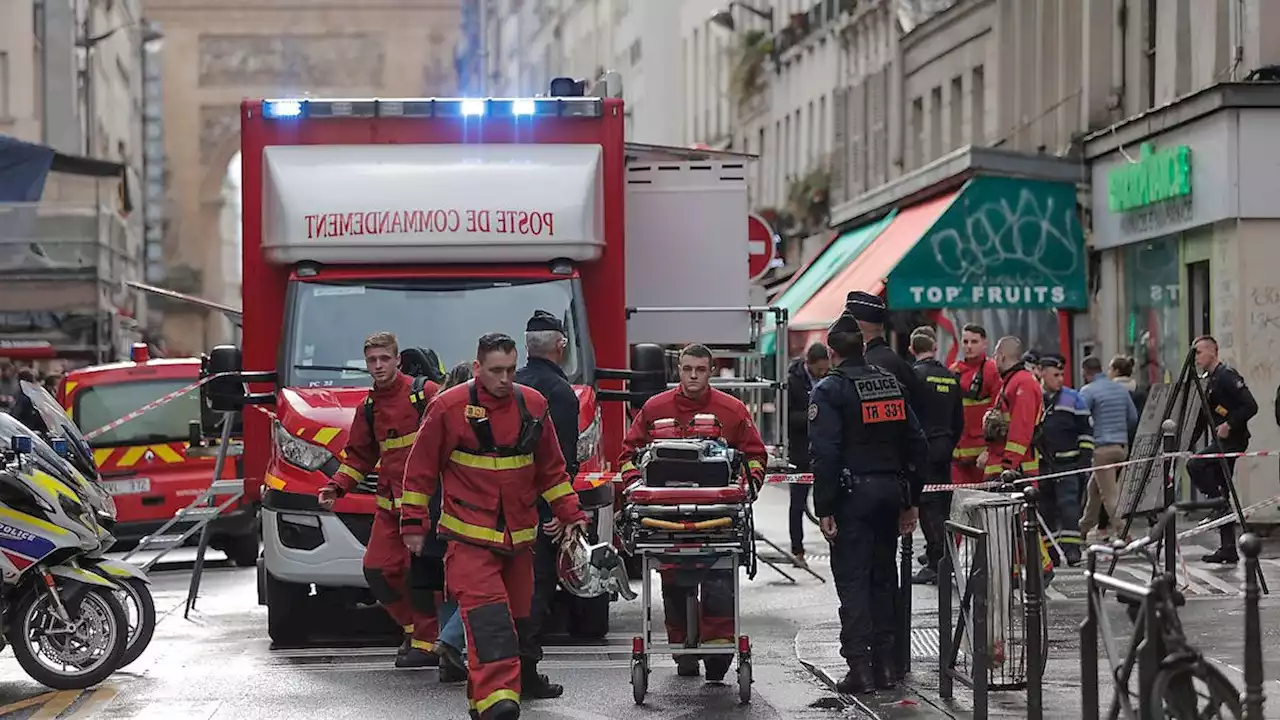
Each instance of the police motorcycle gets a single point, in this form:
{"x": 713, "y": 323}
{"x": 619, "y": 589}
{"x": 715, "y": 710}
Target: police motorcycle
{"x": 39, "y": 411}
{"x": 66, "y": 624}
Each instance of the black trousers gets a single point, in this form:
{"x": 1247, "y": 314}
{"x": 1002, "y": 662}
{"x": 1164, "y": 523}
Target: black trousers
{"x": 862, "y": 564}
{"x": 799, "y": 501}
{"x": 1208, "y": 475}
{"x": 545, "y": 581}
{"x": 935, "y": 510}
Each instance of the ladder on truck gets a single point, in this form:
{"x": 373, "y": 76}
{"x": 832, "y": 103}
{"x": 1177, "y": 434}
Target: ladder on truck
{"x": 765, "y": 397}
{"x": 200, "y": 513}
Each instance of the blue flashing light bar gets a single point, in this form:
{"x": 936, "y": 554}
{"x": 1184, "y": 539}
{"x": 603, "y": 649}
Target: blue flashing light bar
{"x": 291, "y": 109}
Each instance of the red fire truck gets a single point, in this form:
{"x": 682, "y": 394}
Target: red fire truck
{"x": 441, "y": 220}
{"x": 144, "y": 462}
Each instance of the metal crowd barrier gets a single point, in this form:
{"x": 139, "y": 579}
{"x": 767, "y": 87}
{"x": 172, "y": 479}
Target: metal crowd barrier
{"x": 998, "y": 640}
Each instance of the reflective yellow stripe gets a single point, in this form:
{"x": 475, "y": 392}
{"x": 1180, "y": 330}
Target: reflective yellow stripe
{"x": 324, "y": 435}
{"x": 351, "y": 472}
{"x": 464, "y": 529}
{"x": 557, "y": 491}
{"x": 1015, "y": 448}
{"x": 486, "y": 462}
{"x": 1086, "y": 445}
{"x": 415, "y": 397}
{"x": 422, "y": 645}
{"x": 1067, "y": 454}
{"x": 166, "y": 453}
{"x": 754, "y": 465}
{"x": 19, "y": 517}
{"x": 494, "y": 698}
{"x": 968, "y": 452}
{"x": 969, "y": 402}
{"x": 398, "y": 442}
{"x": 273, "y": 482}
{"x": 941, "y": 380}
{"x": 386, "y": 504}
{"x": 407, "y": 628}
{"x": 520, "y": 537}
{"x": 416, "y": 499}
{"x": 53, "y": 484}
{"x": 627, "y": 467}
{"x": 1031, "y": 464}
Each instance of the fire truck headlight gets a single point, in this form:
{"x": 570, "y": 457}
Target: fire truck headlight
{"x": 299, "y": 452}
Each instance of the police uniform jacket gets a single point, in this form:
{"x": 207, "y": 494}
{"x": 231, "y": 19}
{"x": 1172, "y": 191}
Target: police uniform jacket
{"x": 550, "y": 381}
{"x": 859, "y": 420}
{"x": 1230, "y": 402}
{"x": 879, "y": 353}
{"x": 939, "y": 408}
{"x": 1066, "y": 431}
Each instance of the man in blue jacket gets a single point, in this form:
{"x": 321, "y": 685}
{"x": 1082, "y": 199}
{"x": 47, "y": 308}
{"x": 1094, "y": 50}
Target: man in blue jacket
{"x": 1066, "y": 444}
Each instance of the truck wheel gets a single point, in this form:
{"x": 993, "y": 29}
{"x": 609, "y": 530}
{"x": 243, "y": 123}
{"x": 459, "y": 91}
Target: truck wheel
{"x": 242, "y": 549}
{"x": 589, "y": 618}
{"x": 287, "y": 606}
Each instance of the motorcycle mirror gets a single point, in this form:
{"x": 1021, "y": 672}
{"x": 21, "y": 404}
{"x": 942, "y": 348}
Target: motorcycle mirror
{"x": 21, "y": 444}
{"x": 59, "y": 445}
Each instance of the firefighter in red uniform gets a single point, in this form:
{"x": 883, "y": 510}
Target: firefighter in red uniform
{"x": 695, "y": 396}
{"x": 980, "y": 384}
{"x": 490, "y": 449}
{"x": 388, "y": 433}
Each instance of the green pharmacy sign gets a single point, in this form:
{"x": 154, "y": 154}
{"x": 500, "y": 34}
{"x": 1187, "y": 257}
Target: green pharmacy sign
{"x": 1154, "y": 178}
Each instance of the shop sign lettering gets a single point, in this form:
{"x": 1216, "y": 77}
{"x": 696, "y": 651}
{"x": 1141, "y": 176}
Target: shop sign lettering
{"x": 427, "y": 221}
{"x": 1156, "y": 177}
{"x": 989, "y": 295}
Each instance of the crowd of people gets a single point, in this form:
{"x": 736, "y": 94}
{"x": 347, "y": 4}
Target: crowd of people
{"x": 11, "y": 373}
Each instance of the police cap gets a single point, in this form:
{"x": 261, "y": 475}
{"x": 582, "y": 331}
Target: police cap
{"x": 543, "y": 321}
{"x": 846, "y": 323}
{"x": 866, "y": 307}
{"x": 1053, "y": 360}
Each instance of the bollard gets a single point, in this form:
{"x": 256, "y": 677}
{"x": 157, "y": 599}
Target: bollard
{"x": 1089, "y": 646}
{"x": 1033, "y": 601}
{"x": 1251, "y": 546}
{"x": 904, "y": 607}
{"x": 1170, "y": 542}
{"x": 946, "y": 685}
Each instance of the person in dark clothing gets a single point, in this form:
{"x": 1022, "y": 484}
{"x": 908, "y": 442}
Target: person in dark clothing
{"x": 941, "y": 414}
{"x": 545, "y": 342}
{"x": 866, "y": 444}
{"x": 801, "y": 376}
{"x": 1232, "y": 405}
{"x": 872, "y": 315}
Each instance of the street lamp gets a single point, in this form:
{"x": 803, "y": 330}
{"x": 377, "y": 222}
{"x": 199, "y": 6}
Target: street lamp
{"x": 724, "y": 18}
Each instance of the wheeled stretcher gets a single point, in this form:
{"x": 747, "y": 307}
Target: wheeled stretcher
{"x": 689, "y": 514}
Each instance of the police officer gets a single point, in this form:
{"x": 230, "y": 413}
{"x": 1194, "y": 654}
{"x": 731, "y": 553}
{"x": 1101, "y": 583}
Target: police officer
{"x": 1231, "y": 405}
{"x": 872, "y": 315}
{"x": 864, "y": 440}
{"x": 1065, "y": 441}
{"x": 941, "y": 414}
{"x": 545, "y": 341}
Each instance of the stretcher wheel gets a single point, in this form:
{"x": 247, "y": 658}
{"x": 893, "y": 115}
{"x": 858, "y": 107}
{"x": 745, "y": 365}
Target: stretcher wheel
{"x": 744, "y": 681}
{"x": 639, "y": 680}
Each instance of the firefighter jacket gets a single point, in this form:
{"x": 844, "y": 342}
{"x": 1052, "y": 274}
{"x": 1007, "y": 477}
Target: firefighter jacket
{"x": 1230, "y": 402}
{"x": 387, "y": 439}
{"x": 490, "y": 459}
{"x": 939, "y": 409}
{"x": 1020, "y": 402}
{"x": 860, "y": 425}
{"x": 1066, "y": 432}
{"x": 979, "y": 386}
{"x": 737, "y": 428}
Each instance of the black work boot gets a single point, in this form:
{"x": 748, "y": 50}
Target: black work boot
{"x": 858, "y": 681}
{"x": 687, "y": 666}
{"x": 717, "y": 667}
{"x": 417, "y": 658}
{"x": 404, "y": 646}
{"x": 536, "y": 685}
{"x": 503, "y": 710}
{"x": 884, "y": 670}
{"x": 925, "y": 576}
{"x": 453, "y": 668}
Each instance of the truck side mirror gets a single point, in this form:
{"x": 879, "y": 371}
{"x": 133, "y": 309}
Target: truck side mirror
{"x": 223, "y": 394}
{"x": 648, "y": 373}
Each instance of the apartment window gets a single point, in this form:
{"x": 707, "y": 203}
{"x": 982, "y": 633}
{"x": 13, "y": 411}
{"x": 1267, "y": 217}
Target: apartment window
{"x": 760, "y": 148}
{"x": 1151, "y": 51}
{"x": 917, "y": 132}
{"x": 935, "y": 123}
{"x": 4, "y": 85}
{"x": 787, "y": 158}
{"x": 956, "y": 102}
{"x": 779, "y": 163}
{"x": 978, "y": 108}
{"x": 810, "y": 141}
{"x": 822, "y": 126}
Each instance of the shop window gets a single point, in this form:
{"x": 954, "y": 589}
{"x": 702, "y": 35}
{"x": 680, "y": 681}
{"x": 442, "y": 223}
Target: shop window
{"x": 1154, "y": 299}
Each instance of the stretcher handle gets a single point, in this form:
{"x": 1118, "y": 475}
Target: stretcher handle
{"x": 700, "y": 525}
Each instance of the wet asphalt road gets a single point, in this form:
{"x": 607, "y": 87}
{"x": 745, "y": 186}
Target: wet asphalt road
{"x": 220, "y": 664}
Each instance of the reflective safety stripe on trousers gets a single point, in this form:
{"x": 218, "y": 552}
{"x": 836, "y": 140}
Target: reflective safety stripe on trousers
{"x": 494, "y": 698}
{"x": 477, "y": 532}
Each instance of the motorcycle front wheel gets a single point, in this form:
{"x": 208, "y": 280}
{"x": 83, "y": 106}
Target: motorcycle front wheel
{"x": 140, "y": 608}
{"x": 71, "y": 656}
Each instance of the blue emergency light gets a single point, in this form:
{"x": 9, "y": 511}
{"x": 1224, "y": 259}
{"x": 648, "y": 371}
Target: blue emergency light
{"x": 276, "y": 109}
{"x": 21, "y": 444}
{"x": 287, "y": 109}
{"x": 59, "y": 445}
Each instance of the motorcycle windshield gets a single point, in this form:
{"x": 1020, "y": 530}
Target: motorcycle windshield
{"x": 58, "y": 424}
{"x": 46, "y": 460}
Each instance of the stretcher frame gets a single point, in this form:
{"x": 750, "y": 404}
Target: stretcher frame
{"x": 708, "y": 552}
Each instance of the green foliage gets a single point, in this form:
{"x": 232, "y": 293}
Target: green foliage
{"x": 747, "y": 78}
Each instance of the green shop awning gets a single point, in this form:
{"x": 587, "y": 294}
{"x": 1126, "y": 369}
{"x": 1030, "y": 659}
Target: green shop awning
{"x": 1003, "y": 243}
{"x": 824, "y": 267}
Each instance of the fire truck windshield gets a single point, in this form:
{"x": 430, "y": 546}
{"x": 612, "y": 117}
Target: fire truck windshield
{"x": 329, "y": 321}
{"x": 101, "y": 404}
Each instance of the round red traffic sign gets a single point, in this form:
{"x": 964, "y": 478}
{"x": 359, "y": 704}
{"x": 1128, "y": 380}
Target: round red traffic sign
{"x": 761, "y": 248}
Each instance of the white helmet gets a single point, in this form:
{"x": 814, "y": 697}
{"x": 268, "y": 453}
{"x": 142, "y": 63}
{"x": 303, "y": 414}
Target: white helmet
{"x": 592, "y": 570}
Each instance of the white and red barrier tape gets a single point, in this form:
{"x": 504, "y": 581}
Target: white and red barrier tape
{"x": 151, "y": 406}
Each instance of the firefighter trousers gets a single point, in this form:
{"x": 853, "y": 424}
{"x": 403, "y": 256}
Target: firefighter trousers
{"x": 715, "y": 606}
{"x": 386, "y": 567}
{"x": 965, "y": 473}
{"x": 493, "y": 590}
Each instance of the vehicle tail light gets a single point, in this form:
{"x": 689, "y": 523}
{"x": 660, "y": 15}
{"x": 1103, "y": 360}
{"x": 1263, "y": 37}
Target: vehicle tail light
{"x": 637, "y": 645}
{"x": 744, "y": 644}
